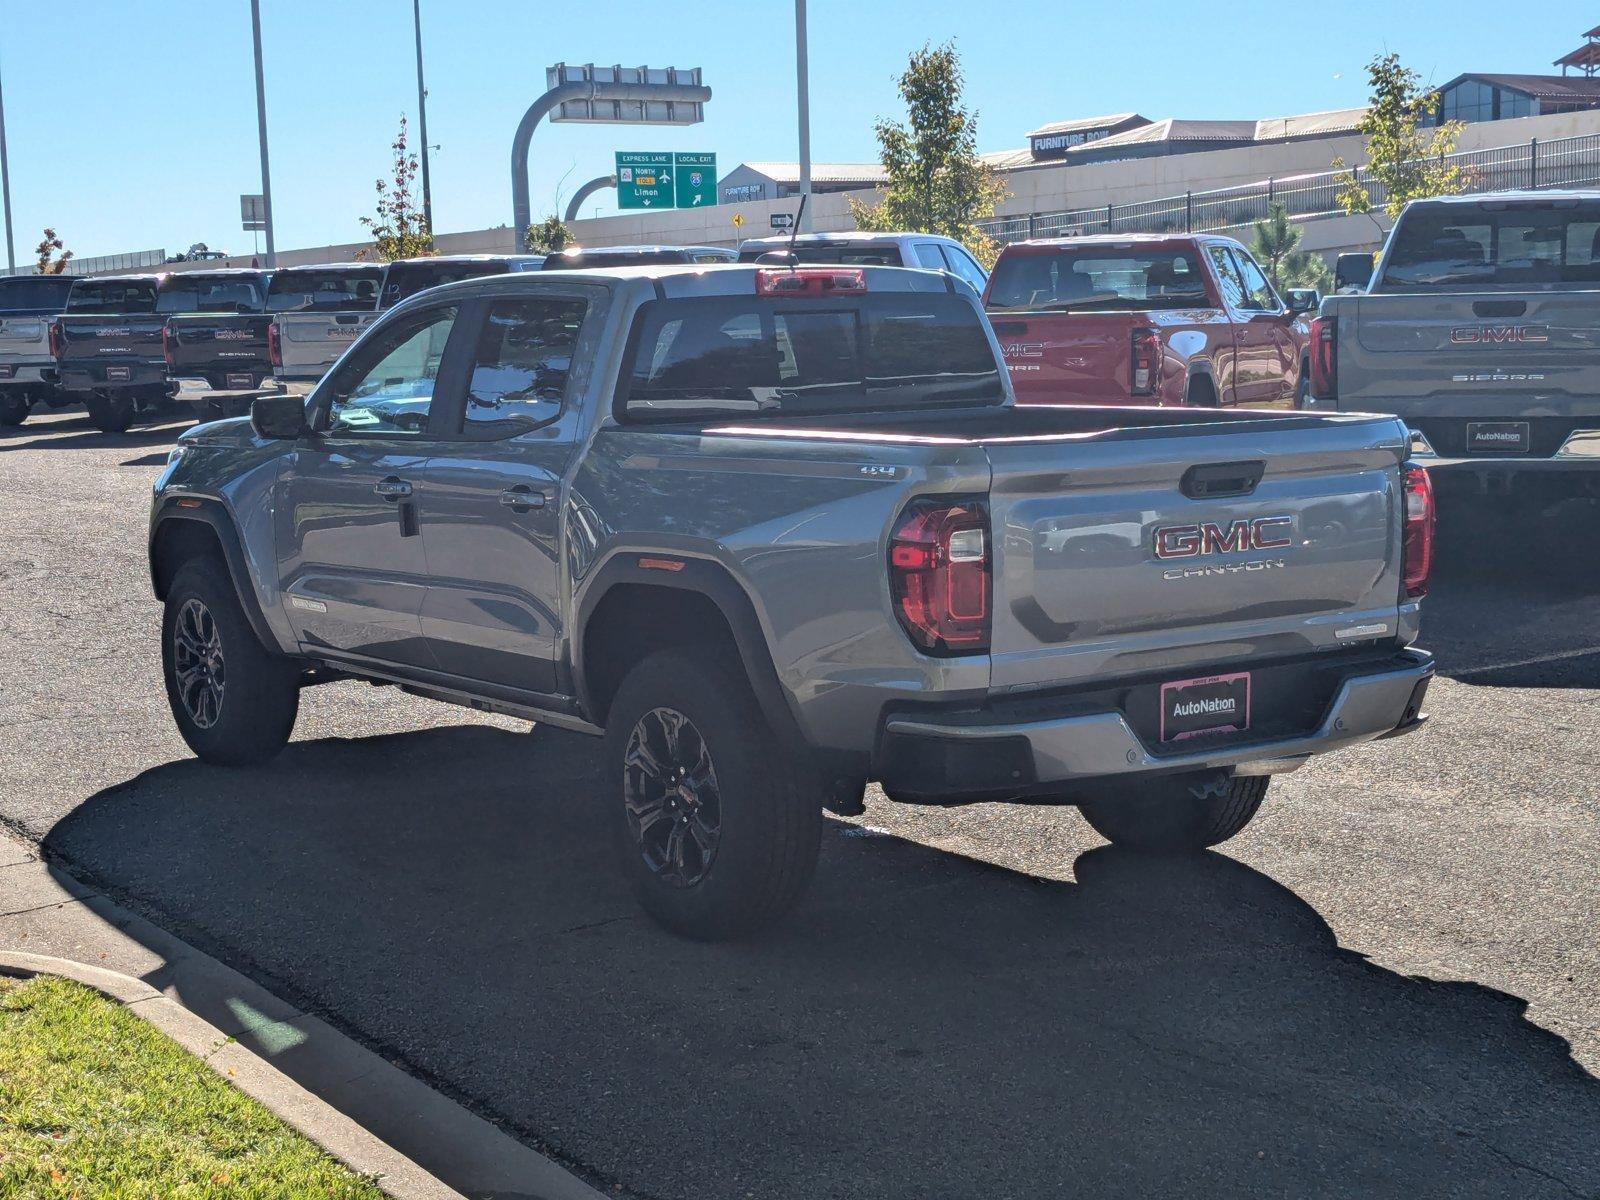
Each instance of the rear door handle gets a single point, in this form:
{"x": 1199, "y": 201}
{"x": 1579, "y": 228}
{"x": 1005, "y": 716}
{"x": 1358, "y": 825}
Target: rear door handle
{"x": 392, "y": 488}
{"x": 522, "y": 498}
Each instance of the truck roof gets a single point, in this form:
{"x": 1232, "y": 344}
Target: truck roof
{"x": 855, "y": 236}
{"x": 374, "y": 268}
{"x": 1519, "y": 194}
{"x": 1120, "y": 239}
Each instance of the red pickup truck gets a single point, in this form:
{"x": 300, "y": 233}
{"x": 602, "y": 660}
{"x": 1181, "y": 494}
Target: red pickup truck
{"x": 1146, "y": 320}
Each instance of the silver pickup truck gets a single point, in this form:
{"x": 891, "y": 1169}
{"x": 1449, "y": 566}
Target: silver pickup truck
{"x": 28, "y": 375}
{"x": 1479, "y": 327}
{"x": 317, "y": 312}
{"x": 778, "y": 532}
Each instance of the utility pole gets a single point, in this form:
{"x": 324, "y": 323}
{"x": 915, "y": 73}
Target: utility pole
{"x": 261, "y": 126}
{"x": 803, "y": 84}
{"x": 5, "y": 185}
{"x": 422, "y": 118}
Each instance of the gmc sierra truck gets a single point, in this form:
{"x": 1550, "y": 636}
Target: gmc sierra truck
{"x": 108, "y": 348}
{"x": 215, "y": 339}
{"x": 317, "y": 312}
{"x": 1158, "y": 319}
{"x": 1479, "y": 328}
{"x": 777, "y": 532}
{"x": 28, "y": 306}
{"x": 405, "y": 277}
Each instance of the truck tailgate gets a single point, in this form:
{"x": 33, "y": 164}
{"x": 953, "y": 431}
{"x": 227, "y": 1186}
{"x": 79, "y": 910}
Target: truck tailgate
{"x": 24, "y": 337}
{"x": 1127, "y": 553}
{"x": 228, "y": 351}
{"x": 1065, "y": 358}
{"x": 311, "y": 342}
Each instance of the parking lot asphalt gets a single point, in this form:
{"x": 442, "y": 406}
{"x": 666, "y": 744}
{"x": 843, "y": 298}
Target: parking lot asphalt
{"x": 1388, "y": 984}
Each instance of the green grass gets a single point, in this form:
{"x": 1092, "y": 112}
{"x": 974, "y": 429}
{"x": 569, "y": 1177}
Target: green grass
{"x": 96, "y": 1103}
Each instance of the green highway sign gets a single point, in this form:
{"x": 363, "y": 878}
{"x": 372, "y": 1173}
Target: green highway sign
{"x": 695, "y": 180}
{"x": 652, "y": 180}
{"x": 644, "y": 180}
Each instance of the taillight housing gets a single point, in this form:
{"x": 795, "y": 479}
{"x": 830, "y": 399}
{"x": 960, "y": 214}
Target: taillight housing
{"x": 1416, "y": 553}
{"x": 56, "y": 338}
{"x": 1325, "y": 358}
{"x": 1146, "y": 362}
{"x": 811, "y": 281}
{"x": 274, "y": 346}
{"x": 166, "y": 344}
{"x": 939, "y": 575}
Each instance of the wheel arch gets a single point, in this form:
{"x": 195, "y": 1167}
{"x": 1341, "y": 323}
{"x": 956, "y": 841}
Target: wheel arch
{"x": 185, "y": 527}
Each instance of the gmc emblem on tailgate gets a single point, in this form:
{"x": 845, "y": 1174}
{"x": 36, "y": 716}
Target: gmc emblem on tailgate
{"x": 1487, "y": 335}
{"x": 1241, "y": 537}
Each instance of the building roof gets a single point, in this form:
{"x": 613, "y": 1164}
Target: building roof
{"x": 788, "y": 172}
{"x": 1540, "y": 87}
{"x": 1317, "y": 124}
{"x": 1009, "y": 160}
{"x": 1173, "y": 129}
{"x": 1081, "y": 123}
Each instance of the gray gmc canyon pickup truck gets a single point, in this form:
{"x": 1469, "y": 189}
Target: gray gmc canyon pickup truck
{"x": 775, "y": 533}
{"x": 1478, "y": 327}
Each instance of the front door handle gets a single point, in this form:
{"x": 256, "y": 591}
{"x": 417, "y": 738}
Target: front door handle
{"x": 521, "y": 498}
{"x": 392, "y": 488}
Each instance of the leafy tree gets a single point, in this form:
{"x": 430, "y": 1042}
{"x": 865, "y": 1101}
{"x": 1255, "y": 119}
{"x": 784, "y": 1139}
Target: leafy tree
{"x": 1404, "y": 154}
{"x": 49, "y": 262}
{"x": 399, "y": 230}
{"x": 935, "y": 182}
{"x": 1277, "y": 248}
{"x": 548, "y": 236}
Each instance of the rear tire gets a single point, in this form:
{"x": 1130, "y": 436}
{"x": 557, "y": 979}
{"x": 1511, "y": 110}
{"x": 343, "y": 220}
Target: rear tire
{"x": 1179, "y": 814}
{"x": 1302, "y": 388}
{"x": 717, "y": 825}
{"x": 110, "y": 414}
{"x": 233, "y": 701}
{"x": 14, "y": 410}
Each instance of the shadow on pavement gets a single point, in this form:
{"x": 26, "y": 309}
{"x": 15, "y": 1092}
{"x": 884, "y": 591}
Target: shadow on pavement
{"x": 924, "y": 1026}
{"x": 80, "y": 435}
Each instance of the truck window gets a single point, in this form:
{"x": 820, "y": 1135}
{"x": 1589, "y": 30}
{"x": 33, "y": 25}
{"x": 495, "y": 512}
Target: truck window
{"x": 200, "y": 294}
{"x": 23, "y": 293}
{"x": 965, "y": 267}
{"x": 736, "y": 355}
{"x": 1517, "y": 245}
{"x": 386, "y": 387}
{"x": 851, "y": 254}
{"x": 519, "y": 372}
{"x": 1097, "y": 281}
{"x": 112, "y": 296}
{"x": 323, "y": 291}
{"x": 401, "y": 280}
{"x": 1259, "y": 296}
{"x": 1228, "y": 277}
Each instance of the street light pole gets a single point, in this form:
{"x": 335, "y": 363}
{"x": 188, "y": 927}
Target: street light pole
{"x": 803, "y": 86}
{"x": 422, "y": 118}
{"x": 261, "y": 127}
{"x": 5, "y": 185}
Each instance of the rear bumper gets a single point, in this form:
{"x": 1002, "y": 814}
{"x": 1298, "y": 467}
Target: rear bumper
{"x": 976, "y": 754}
{"x": 204, "y": 389}
{"x": 29, "y": 375}
{"x": 142, "y": 376}
{"x": 1579, "y": 451}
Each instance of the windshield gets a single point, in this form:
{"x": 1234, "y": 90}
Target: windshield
{"x": 739, "y": 355}
{"x": 1097, "y": 281}
{"x": 1504, "y": 244}
{"x": 354, "y": 290}
{"x": 850, "y": 253}
{"x": 112, "y": 296}
{"x": 407, "y": 279}
{"x": 210, "y": 294}
{"x": 34, "y": 293}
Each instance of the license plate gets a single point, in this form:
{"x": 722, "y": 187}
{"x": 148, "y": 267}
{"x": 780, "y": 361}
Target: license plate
{"x": 240, "y": 381}
{"x": 119, "y": 374}
{"x": 1498, "y": 437}
{"x": 1205, "y": 705}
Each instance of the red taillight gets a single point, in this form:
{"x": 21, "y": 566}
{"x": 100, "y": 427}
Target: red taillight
{"x": 1417, "y": 543}
{"x": 939, "y": 575}
{"x": 274, "y": 345}
{"x": 1146, "y": 362}
{"x": 166, "y": 344}
{"x": 56, "y": 339}
{"x": 1325, "y": 358}
{"x": 812, "y": 281}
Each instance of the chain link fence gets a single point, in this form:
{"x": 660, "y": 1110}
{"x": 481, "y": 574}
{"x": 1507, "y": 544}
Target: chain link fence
{"x": 1563, "y": 162}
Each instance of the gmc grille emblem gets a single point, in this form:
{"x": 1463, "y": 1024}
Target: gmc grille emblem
{"x": 1240, "y": 537}
{"x": 1488, "y": 335}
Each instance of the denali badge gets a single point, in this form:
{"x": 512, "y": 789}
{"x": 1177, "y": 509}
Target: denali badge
{"x": 1489, "y": 335}
{"x": 1241, "y": 537}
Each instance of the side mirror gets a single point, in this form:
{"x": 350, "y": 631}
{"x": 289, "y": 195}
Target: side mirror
{"x": 279, "y": 418}
{"x": 1303, "y": 300}
{"x": 1353, "y": 271}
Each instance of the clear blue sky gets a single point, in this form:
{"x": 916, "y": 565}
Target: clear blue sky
{"x": 131, "y": 125}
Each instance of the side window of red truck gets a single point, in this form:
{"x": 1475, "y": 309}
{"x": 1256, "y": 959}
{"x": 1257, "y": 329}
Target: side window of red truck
{"x": 1258, "y": 292}
{"x": 1228, "y": 277}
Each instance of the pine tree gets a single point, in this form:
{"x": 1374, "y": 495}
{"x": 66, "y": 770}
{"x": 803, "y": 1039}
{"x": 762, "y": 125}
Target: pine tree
{"x": 1276, "y": 248}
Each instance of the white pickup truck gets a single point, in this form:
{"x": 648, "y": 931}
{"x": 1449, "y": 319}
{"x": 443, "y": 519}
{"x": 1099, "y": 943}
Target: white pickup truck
{"x": 28, "y": 304}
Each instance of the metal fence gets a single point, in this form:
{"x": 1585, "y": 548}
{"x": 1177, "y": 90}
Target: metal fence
{"x": 1562, "y": 162}
{"x": 101, "y": 264}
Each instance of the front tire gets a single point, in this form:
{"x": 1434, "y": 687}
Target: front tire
{"x": 1177, "y": 814}
{"x": 717, "y": 826}
{"x": 110, "y": 414}
{"x": 233, "y": 701}
{"x": 14, "y": 409}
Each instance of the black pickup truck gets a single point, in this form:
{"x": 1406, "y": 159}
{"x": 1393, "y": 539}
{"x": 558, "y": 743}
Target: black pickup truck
{"x": 215, "y": 343}
{"x": 107, "y": 346}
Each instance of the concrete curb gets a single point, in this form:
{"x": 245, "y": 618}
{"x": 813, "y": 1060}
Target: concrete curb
{"x": 307, "y": 1114}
